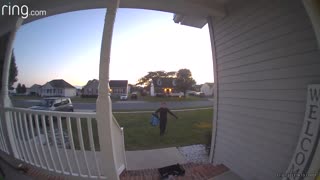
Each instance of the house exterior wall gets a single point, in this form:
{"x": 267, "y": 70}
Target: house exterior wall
{"x": 119, "y": 90}
{"x": 266, "y": 54}
{"x": 69, "y": 92}
{"x": 91, "y": 89}
{"x": 47, "y": 90}
{"x": 207, "y": 90}
{"x": 34, "y": 90}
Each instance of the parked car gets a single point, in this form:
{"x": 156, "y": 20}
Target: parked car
{"x": 178, "y": 94}
{"x": 55, "y": 104}
{"x": 134, "y": 96}
{"x": 200, "y": 94}
{"x": 192, "y": 93}
{"x": 123, "y": 97}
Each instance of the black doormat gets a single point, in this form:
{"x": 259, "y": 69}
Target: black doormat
{"x": 174, "y": 170}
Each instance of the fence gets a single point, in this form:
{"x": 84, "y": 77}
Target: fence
{"x": 62, "y": 142}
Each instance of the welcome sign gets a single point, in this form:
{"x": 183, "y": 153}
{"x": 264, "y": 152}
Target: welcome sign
{"x": 309, "y": 138}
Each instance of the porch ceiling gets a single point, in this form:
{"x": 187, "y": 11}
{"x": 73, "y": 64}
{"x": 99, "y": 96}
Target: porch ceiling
{"x": 188, "y": 8}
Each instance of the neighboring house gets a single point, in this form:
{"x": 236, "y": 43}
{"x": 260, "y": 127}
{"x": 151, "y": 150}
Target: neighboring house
{"x": 34, "y": 90}
{"x": 160, "y": 86}
{"x": 12, "y": 91}
{"x": 207, "y": 89}
{"x": 90, "y": 89}
{"x": 197, "y": 87}
{"x": 118, "y": 87}
{"x": 58, "y": 87}
{"x": 79, "y": 92}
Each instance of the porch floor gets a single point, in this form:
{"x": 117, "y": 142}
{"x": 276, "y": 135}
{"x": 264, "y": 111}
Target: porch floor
{"x": 154, "y": 158}
{"x": 193, "y": 171}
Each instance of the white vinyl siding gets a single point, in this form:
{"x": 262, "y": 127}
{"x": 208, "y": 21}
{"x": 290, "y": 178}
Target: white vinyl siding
{"x": 70, "y": 92}
{"x": 91, "y": 89}
{"x": 266, "y": 54}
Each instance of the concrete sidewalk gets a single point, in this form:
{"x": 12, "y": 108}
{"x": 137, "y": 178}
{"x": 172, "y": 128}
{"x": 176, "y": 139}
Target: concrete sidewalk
{"x": 229, "y": 175}
{"x": 155, "y": 158}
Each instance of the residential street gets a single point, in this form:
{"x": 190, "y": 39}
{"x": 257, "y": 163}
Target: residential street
{"x": 125, "y": 105}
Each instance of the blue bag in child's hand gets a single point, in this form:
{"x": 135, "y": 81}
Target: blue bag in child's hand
{"x": 154, "y": 121}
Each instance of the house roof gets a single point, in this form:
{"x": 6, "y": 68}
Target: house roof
{"x": 60, "y": 83}
{"x": 164, "y": 82}
{"x": 35, "y": 86}
{"x": 118, "y": 83}
{"x": 209, "y": 84}
{"x": 90, "y": 82}
{"x": 203, "y": 8}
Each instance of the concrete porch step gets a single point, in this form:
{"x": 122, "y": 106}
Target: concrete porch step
{"x": 194, "y": 171}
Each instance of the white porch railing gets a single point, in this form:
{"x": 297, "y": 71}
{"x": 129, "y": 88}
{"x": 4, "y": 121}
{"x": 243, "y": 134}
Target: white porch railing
{"x": 62, "y": 142}
{"x": 3, "y": 143}
{"x": 120, "y": 156}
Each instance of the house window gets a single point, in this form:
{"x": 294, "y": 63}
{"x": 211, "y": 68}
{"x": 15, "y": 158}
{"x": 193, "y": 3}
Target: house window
{"x": 174, "y": 82}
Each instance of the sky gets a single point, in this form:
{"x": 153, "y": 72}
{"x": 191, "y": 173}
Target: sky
{"x": 67, "y": 46}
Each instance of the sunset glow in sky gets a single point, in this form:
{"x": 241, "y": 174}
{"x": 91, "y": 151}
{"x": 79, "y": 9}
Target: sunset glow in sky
{"x": 67, "y": 46}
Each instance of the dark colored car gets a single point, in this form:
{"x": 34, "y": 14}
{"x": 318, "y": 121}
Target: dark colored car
{"x": 55, "y": 104}
{"x": 134, "y": 96}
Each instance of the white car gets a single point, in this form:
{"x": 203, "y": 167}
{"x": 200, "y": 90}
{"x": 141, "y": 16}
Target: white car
{"x": 55, "y": 104}
{"x": 124, "y": 97}
{"x": 179, "y": 94}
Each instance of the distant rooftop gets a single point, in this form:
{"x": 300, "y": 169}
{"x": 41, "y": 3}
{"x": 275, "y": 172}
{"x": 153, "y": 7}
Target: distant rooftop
{"x": 60, "y": 83}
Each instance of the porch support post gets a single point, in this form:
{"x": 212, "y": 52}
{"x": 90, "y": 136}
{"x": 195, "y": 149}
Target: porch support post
{"x": 215, "y": 91}
{"x": 104, "y": 106}
{"x": 5, "y": 100}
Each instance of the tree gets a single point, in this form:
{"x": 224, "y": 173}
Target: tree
{"x": 13, "y": 72}
{"x": 19, "y": 88}
{"x": 145, "y": 80}
{"x": 23, "y": 89}
{"x": 184, "y": 80}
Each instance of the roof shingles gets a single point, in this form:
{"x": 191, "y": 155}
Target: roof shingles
{"x": 60, "y": 83}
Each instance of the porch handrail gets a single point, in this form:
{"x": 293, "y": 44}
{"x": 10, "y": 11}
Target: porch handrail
{"x": 62, "y": 142}
{"x": 116, "y": 122}
{"x": 121, "y": 160}
{"x": 54, "y": 113}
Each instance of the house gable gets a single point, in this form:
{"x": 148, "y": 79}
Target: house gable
{"x": 60, "y": 84}
{"x": 47, "y": 86}
{"x": 118, "y": 87}
{"x": 164, "y": 82}
{"x": 118, "y": 83}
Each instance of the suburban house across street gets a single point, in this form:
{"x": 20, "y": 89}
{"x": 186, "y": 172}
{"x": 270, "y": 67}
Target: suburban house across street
{"x": 58, "y": 87}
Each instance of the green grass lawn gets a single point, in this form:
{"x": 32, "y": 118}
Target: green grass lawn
{"x": 78, "y": 99}
{"x": 192, "y": 127}
{"x": 159, "y": 99}
{"x": 25, "y": 97}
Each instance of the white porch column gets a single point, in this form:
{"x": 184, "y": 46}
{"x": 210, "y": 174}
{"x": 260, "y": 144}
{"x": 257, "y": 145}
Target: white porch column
{"x": 215, "y": 90}
{"x": 5, "y": 100}
{"x": 104, "y": 109}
